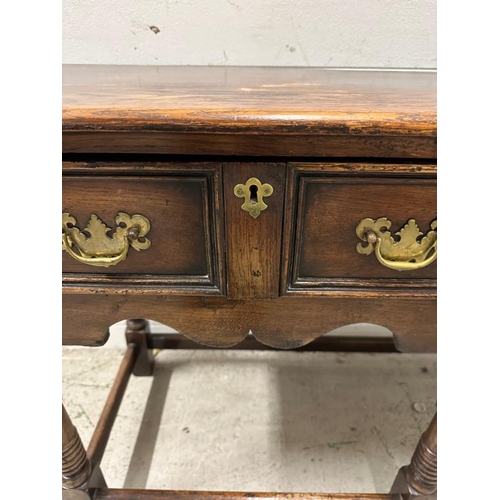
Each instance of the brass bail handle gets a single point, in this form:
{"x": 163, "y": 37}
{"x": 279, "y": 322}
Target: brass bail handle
{"x": 411, "y": 249}
{"x": 93, "y": 245}
{"x": 253, "y": 191}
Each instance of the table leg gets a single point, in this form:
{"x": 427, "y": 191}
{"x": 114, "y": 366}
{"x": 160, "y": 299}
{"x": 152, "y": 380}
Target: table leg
{"x": 420, "y": 477}
{"x": 76, "y": 468}
{"x": 136, "y": 332}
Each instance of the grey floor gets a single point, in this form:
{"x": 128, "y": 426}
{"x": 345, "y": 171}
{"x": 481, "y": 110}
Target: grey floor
{"x": 256, "y": 420}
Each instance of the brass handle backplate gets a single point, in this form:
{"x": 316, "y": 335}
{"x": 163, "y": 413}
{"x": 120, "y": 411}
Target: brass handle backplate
{"x": 253, "y": 191}
{"x": 95, "y": 247}
{"x": 409, "y": 251}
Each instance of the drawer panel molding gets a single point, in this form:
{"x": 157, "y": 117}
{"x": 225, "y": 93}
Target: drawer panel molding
{"x": 338, "y": 213}
{"x": 170, "y": 212}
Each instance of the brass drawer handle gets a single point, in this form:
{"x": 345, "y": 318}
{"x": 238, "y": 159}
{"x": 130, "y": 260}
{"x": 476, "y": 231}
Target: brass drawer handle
{"x": 253, "y": 191}
{"x": 410, "y": 251}
{"x": 99, "y": 249}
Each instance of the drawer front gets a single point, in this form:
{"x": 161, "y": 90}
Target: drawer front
{"x": 185, "y": 230}
{"x": 324, "y": 208}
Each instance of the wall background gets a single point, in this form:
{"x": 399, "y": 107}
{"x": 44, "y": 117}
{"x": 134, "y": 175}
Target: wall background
{"x": 334, "y": 33}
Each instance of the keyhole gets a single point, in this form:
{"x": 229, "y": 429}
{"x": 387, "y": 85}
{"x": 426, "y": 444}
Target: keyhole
{"x": 253, "y": 193}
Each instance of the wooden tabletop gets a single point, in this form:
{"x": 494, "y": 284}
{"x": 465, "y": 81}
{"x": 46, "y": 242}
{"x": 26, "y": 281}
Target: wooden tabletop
{"x": 249, "y": 100}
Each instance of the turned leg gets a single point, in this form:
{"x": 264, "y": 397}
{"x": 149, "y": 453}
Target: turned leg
{"x": 76, "y": 467}
{"x": 136, "y": 333}
{"x": 420, "y": 477}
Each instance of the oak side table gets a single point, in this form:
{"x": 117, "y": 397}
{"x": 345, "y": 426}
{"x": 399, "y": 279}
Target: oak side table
{"x": 285, "y": 201}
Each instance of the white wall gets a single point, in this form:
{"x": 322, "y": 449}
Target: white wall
{"x": 335, "y": 33}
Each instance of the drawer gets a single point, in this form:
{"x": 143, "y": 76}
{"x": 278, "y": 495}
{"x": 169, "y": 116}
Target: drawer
{"x": 325, "y": 206}
{"x": 183, "y": 239}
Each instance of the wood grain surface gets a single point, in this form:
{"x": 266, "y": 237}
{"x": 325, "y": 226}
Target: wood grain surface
{"x": 248, "y": 99}
{"x": 216, "y": 109}
{"x": 325, "y": 202}
{"x": 114, "y": 494}
{"x": 182, "y": 205}
{"x": 216, "y": 144}
{"x": 254, "y": 245}
{"x": 285, "y": 323}
{"x": 328, "y": 211}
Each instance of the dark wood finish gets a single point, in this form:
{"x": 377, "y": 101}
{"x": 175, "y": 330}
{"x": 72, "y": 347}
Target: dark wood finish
{"x": 253, "y": 245}
{"x": 286, "y": 323}
{"x": 175, "y": 250}
{"x": 323, "y": 208}
{"x": 420, "y": 477}
{"x": 301, "y": 111}
{"x": 176, "y": 143}
{"x": 171, "y": 143}
{"x": 227, "y": 495}
{"x": 76, "y": 468}
{"x": 97, "y": 478}
{"x": 278, "y": 99}
{"x": 77, "y": 495}
{"x": 103, "y": 428}
{"x": 184, "y": 233}
{"x": 136, "y": 332}
{"x": 330, "y": 210}
{"x": 325, "y": 343}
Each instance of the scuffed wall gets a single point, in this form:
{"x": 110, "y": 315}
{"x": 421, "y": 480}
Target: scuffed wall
{"x": 335, "y": 33}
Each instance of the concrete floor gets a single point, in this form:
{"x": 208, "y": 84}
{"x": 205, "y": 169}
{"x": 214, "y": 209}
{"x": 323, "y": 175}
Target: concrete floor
{"x": 256, "y": 420}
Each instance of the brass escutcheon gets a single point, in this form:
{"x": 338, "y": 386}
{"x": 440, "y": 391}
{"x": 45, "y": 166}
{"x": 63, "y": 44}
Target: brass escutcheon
{"x": 253, "y": 191}
{"x": 93, "y": 245}
{"x": 409, "y": 251}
